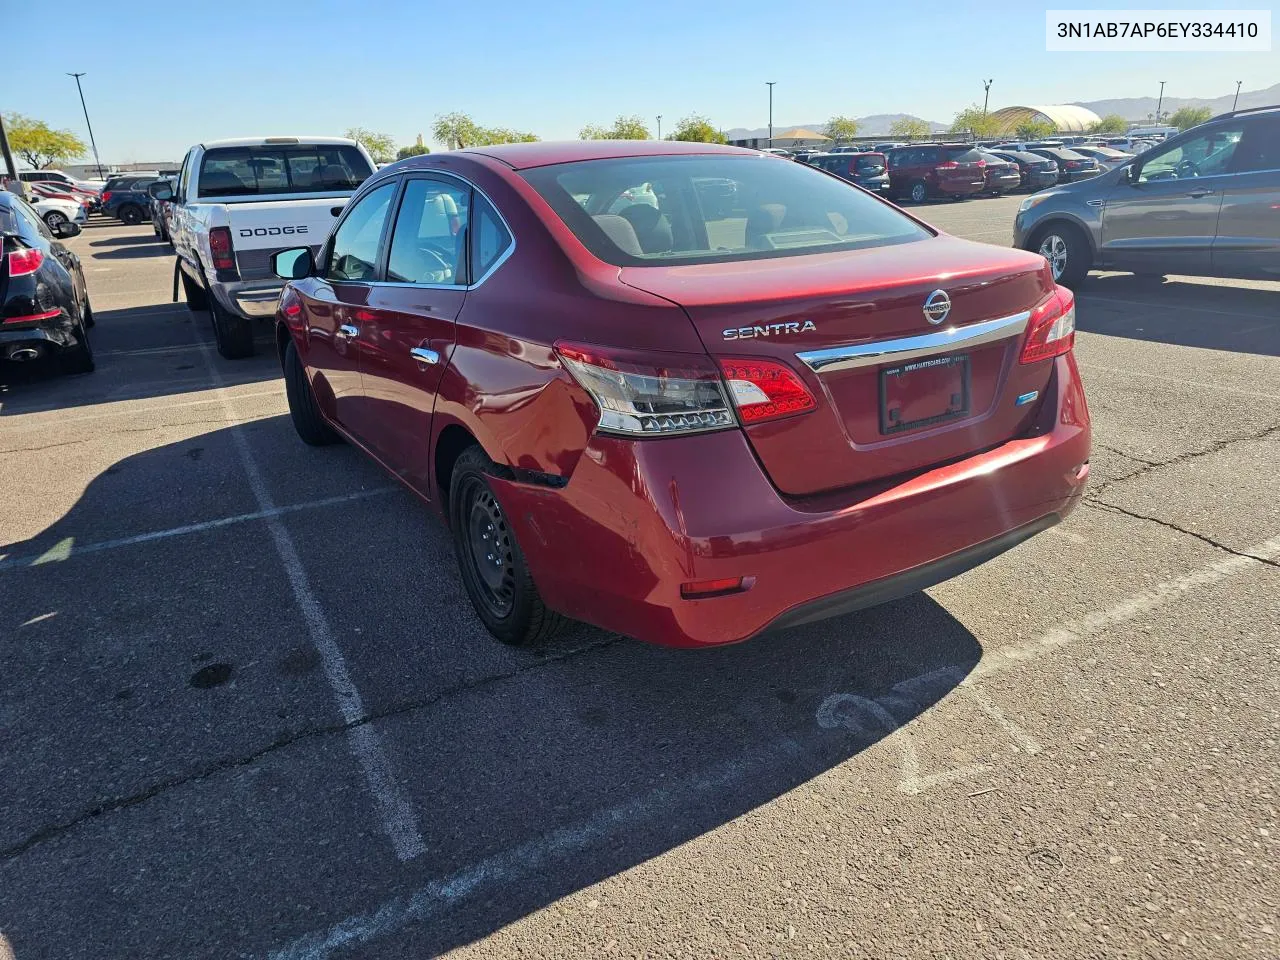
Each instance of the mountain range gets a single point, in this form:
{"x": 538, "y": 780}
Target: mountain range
{"x": 1131, "y": 108}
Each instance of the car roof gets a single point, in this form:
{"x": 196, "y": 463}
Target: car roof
{"x": 283, "y": 141}
{"x": 522, "y": 156}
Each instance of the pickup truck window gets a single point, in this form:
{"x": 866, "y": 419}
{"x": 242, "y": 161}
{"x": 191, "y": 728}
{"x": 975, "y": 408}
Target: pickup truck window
{"x": 254, "y": 171}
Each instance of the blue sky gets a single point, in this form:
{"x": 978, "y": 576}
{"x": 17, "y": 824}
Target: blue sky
{"x": 159, "y": 80}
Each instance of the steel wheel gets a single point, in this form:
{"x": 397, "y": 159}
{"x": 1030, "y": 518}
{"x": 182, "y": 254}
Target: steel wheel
{"x": 1054, "y": 249}
{"x": 489, "y": 548}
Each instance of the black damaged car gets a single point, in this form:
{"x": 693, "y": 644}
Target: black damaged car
{"x": 44, "y": 303}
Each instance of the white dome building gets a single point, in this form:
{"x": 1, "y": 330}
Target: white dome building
{"x": 1067, "y": 117}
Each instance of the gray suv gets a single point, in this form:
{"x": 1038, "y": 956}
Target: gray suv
{"x": 1203, "y": 203}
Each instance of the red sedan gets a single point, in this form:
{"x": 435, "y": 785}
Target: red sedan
{"x": 684, "y": 421}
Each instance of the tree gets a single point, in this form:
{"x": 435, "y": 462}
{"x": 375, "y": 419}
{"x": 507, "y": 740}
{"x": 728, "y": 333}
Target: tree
{"x": 1035, "y": 129}
{"x": 1111, "y": 123}
{"x": 380, "y": 145}
{"x": 841, "y": 128}
{"x": 696, "y": 128}
{"x": 975, "y": 122}
{"x": 1187, "y": 117}
{"x": 624, "y": 128}
{"x": 413, "y": 150}
{"x": 909, "y": 128}
{"x": 39, "y": 144}
{"x": 457, "y": 130}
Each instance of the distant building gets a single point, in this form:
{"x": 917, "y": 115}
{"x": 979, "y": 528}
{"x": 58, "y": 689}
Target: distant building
{"x": 1066, "y": 117}
{"x": 89, "y": 170}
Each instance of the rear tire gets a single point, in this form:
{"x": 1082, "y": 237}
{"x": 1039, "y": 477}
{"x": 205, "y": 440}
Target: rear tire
{"x": 919, "y": 191}
{"x": 130, "y": 214}
{"x": 233, "y": 334}
{"x": 197, "y": 299}
{"x": 1066, "y": 248}
{"x": 78, "y": 359}
{"x": 492, "y": 565}
{"x": 310, "y": 424}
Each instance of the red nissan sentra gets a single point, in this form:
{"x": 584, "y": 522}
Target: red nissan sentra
{"x": 688, "y": 393}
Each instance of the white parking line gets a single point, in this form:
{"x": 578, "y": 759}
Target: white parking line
{"x": 67, "y": 549}
{"x": 396, "y": 815}
{"x": 7, "y": 426}
{"x": 531, "y": 857}
{"x": 1222, "y": 388}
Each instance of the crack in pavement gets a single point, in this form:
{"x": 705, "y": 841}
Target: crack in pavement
{"x": 55, "y": 830}
{"x": 45, "y": 446}
{"x": 1214, "y": 447}
{"x": 1128, "y": 456}
{"x": 1169, "y": 525}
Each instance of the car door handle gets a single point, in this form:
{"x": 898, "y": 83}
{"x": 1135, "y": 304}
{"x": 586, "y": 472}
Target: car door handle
{"x": 1197, "y": 194}
{"x": 424, "y": 355}
{"x": 348, "y": 330}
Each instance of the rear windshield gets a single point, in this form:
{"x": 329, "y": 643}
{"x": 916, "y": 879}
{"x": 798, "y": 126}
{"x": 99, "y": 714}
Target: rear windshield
{"x": 870, "y": 161}
{"x": 962, "y": 154}
{"x": 644, "y": 211}
{"x": 251, "y": 171}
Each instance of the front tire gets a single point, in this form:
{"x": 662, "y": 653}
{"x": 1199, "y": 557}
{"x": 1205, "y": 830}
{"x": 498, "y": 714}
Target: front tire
{"x": 1067, "y": 250}
{"x": 53, "y": 220}
{"x": 493, "y": 567}
{"x": 311, "y": 426}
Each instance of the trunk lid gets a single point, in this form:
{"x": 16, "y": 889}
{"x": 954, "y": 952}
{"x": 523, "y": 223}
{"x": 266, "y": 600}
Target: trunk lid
{"x": 937, "y": 405}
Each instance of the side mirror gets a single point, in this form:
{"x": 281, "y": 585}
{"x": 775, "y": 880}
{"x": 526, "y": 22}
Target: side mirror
{"x": 67, "y": 229}
{"x": 293, "y": 264}
{"x": 161, "y": 190}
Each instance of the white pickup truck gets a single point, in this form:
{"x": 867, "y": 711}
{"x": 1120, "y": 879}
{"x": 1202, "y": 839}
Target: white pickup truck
{"x": 237, "y": 202}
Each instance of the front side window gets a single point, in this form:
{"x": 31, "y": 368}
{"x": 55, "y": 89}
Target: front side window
{"x": 267, "y": 170}
{"x": 429, "y": 241}
{"x": 713, "y": 208}
{"x": 354, "y": 255}
{"x": 1204, "y": 156}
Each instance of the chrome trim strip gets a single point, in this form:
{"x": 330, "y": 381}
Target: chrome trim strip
{"x": 909, "y": 348}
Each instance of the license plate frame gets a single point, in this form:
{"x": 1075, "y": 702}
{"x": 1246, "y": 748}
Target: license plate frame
{"x": 953, "y": 367}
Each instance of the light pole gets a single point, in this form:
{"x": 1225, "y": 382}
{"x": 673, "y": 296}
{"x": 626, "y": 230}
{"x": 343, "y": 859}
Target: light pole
{"x": 96, "y": 161}
{"x": 659, "y": 126}
{"x": 1160, "y": 102}
{"x": 769, "y": 84}
{"x": 986, "y": 94}
{"x": 10, "y": 169}
{"x": 1237, "y": 99}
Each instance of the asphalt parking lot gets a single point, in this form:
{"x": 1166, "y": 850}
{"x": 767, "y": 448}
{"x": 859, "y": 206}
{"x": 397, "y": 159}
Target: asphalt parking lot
{"x": 247, "y": 711}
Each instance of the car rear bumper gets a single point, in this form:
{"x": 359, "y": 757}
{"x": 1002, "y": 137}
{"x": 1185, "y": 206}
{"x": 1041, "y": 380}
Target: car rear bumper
{"x": 1008, "y": 182}
{"x": 254, "y": 299}
{"x": 639, "y": 518}
{"x": 961, "y": 188}
{"x": 1039, "y": 179}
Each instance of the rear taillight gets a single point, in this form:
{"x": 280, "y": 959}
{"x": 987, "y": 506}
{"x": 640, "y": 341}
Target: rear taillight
{"x": 649, "y": 394}
{"x": 106, "y": 195}
{"x": 765, "y": 390}
{"x": 949, "y": 165}
{"x": 224, "y": 257}
{"x": 1052, "y": 330}
{"x": 1072, "y": 164}
{"x": 24, "y": 261}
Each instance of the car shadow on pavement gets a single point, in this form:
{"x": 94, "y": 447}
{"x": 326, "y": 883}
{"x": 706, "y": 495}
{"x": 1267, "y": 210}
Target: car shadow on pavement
{"x": 128, "y": 241}
{"x": 167, "y": 708}
{"x": 155, "y": 248}
{"x": 1181, "y": 313}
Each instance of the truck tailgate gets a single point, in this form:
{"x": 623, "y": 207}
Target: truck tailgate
{"x": 259, "y": 229}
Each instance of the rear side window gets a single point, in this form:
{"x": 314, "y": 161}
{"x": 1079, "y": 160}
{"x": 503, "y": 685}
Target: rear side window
{"x": 713, "y": 209}
{"x": 354, "y": 255}
{"x": 490, "y": 238}
{"x": 1259, "y": 148}
{"x": 254, "y": 171}
{"x": 429, "y": 242}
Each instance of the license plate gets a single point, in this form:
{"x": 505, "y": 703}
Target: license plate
{"x": 924, "y": 392}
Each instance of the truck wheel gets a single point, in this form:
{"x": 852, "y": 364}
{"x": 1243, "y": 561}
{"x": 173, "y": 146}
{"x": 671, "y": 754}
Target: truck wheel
{"x": 1066, "y": 249}
{"x": 130, "y": 214}
{"x": 78, "y": 359}
{"x": 234, "y": 335}
{"x": 490, "y": 560}
{"x": 303, "y": 409}
{"x": 197, "y": 299}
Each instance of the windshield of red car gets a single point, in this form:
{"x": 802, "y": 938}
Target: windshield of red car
{"x": 645, "y": 211}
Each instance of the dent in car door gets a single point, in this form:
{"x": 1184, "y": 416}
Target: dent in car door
{"x": 1248, "y": 240}
{"x": 407, "y": 328}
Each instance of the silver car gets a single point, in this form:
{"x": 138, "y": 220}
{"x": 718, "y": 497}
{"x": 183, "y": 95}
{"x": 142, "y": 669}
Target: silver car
{"x": 1203, "y": 203}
